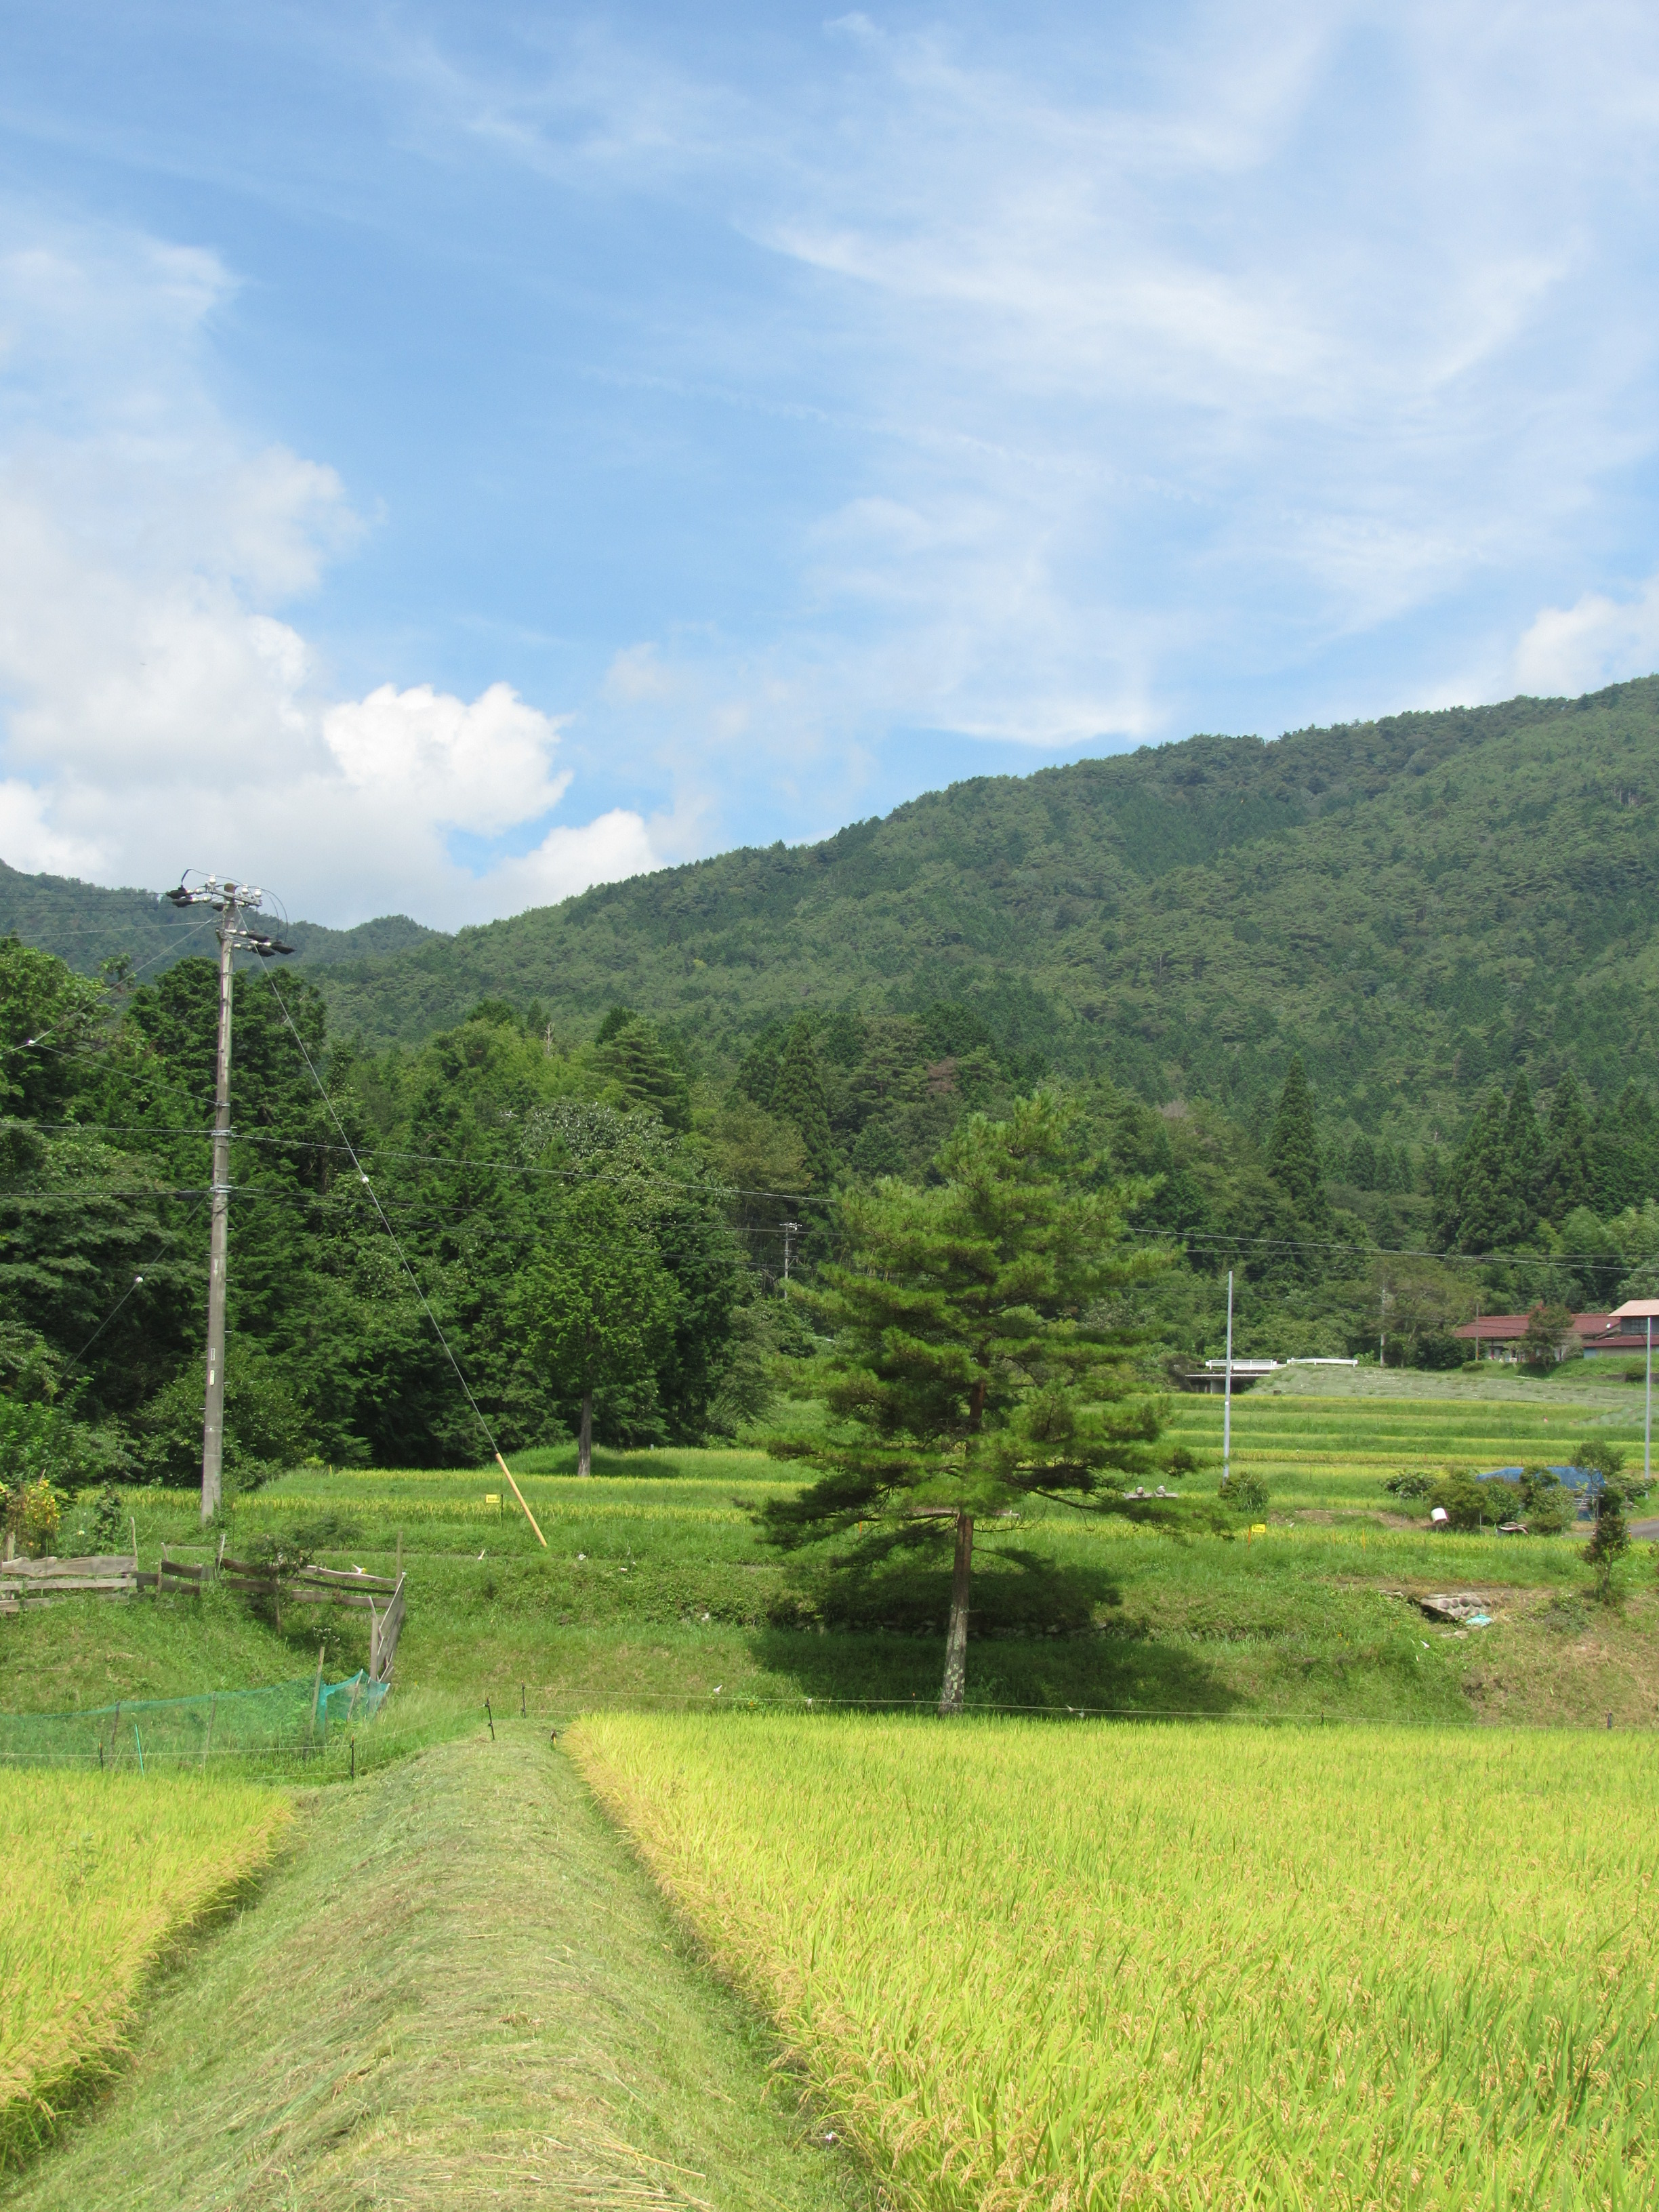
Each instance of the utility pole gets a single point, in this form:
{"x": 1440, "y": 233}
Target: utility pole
{"x": 232, "y": 903}
{"x": 1227, "y": 1390}
{"x": 790, "y": 1229}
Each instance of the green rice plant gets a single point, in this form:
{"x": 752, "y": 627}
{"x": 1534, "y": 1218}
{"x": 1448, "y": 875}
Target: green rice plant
{"x": 1081, "y": 1965}
{"x": 100, "y": 1876}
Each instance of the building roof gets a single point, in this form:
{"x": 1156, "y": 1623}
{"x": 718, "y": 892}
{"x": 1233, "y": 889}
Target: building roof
{"x": 1637, "y": 1309}
{"x": 1506, "y": 1328}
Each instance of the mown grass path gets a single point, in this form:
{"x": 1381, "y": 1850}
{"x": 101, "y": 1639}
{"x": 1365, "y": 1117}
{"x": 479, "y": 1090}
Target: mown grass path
{"x": 458, "y": 1990}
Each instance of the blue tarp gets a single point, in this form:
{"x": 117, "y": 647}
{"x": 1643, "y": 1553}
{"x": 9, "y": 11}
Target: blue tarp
{"x": 1587, "y": 1480}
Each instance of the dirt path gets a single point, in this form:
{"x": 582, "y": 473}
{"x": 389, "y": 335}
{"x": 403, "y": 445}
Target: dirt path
{"x": 458, "y": 1990}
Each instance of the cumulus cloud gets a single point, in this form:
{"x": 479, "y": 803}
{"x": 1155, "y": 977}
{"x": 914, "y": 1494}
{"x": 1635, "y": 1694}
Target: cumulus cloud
{"x": 161, "y": 705}
{"x": 1567, "y": 650}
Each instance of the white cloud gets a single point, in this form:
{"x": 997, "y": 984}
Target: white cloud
{"x": 161, "y": 709}
{"x": 1598, "y": 640}
{"x": 1166, "y": 347}
{"x": 486, "y": 767}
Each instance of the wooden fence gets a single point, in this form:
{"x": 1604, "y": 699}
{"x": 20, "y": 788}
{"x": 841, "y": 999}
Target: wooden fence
{"x": 329, "y": 1586}
{"x": 39, "y": 1582}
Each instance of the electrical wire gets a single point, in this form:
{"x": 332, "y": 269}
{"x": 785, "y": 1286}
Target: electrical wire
{"x": 34, "y": 1044}
{"x": 426, "y": 1303}
{"x": 137, "y": 1279}
{"x": 427, "y": 1160}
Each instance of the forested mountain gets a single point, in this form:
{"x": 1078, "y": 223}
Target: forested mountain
{"x": 1366, "y": 1013}
{"x": 1417, "y": 906}
{"x": 86, "y": 924}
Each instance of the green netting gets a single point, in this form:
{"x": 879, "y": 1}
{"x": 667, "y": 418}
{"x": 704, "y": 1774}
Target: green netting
{"x": 292, "y": 1718}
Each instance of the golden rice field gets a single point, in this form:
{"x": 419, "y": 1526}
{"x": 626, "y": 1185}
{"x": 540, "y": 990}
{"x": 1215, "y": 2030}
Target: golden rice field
{"x": 100, "y": 1875}
{"x": 1072, "y": 1965}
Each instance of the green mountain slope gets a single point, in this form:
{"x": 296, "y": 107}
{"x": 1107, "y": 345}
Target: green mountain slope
{"x": 1416, "y": 904}
{"x": 1419, "y": 905}
{"x": 85, "y": 924}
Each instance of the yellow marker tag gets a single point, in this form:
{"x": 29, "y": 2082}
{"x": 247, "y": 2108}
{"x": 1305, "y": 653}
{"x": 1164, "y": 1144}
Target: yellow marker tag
{"x": 492, "y": 1497}
{"x": 1258, "y": 1527}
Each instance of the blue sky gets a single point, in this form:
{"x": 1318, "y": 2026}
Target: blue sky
{"x": 451, "y": 455}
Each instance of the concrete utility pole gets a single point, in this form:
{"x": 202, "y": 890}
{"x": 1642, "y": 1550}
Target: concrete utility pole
{"x": 231, "y": 902}
{"x": 790, "y": 1229}
{"x": 1227, "y": 1392}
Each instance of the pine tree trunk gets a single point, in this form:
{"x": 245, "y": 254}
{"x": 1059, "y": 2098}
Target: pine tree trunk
{"x": 956, "y": 1641}
{"x": 584, "y": 1438}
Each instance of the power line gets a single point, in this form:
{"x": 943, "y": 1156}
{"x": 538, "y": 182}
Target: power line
{"x": 575, "y": 1173}
{"x": 1219, "y": 1242}
{"x": 138, "y": 1281}
{"x": 426, "y": 1303}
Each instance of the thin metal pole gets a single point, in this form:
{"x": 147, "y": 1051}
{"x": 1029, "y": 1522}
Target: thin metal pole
{"x": 213, "y": 1414}
{"x": 1647, "y": 1425}
{"x": 1227, "y": 1398}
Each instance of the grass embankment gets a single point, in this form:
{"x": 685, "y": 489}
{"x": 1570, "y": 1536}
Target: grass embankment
{"x": 100, "y": 1878}
{"x": 655, "y": 1587}
{"x": 1092, "y": 1966}
{"x": 458, "y": 1988}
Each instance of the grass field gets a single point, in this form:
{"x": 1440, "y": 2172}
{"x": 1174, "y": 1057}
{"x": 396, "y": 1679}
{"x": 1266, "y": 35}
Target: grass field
{"x": 1082, "y": 1967}
{"x": 1233, "y": 1949}
{"x": 100, "y": 1876}
{"x": 457, "y": 1989}
{"x": 655, "y": 1589}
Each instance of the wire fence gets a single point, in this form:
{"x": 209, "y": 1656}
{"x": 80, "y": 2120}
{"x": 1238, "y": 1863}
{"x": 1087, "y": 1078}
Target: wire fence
{"x": 287, "y": 1721}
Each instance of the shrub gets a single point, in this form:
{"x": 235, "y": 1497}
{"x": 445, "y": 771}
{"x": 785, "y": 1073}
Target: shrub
{"x": 1546, "y": 1506}
{"x": 32, "y": 1514}
{"x": 1247, "y": 1493}
{"x": 1466, "y": 1502}
{"x": 100, "y": 1525}
{"x": 1409, "y": 1483}
{"x": 1608, "y": 1543}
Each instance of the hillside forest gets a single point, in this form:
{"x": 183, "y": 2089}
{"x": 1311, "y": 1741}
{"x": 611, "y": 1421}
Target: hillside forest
{"x": 594, "y": 1211}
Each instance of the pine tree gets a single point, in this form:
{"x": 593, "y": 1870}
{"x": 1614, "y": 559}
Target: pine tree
{"x": 633, "y": 1054}
{"x": 1569, "y": 1172}
{"x": 1622, "y": 1140}
{"x": 1524, "y": 1150}
{"x": 1293, "y": 1146}
{"x": 798, "y": 1095}
{"x": 970, "y": 1372}
{"x": 757, "y": 1075}
{"x": 1473, "y": 1208}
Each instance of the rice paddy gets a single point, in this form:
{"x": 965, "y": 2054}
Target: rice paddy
{"x": 1076, "y": 1965}
{"x": 100, "y": 1876}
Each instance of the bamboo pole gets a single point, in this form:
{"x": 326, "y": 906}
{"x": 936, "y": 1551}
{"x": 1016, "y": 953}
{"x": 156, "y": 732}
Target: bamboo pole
{"x": 519, "y": 1494}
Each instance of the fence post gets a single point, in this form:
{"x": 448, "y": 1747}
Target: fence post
{"x": 213, "y": 1707}
{"x": 317, "y": 1687}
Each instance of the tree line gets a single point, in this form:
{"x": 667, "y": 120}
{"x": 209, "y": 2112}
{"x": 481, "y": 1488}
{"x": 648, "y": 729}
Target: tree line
{"x": 598, "y": 1222}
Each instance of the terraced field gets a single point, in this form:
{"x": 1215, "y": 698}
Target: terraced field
{"x": 654, "y": 1589}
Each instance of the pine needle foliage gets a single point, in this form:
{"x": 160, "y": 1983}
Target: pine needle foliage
{"x": 975, "y": 1364}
